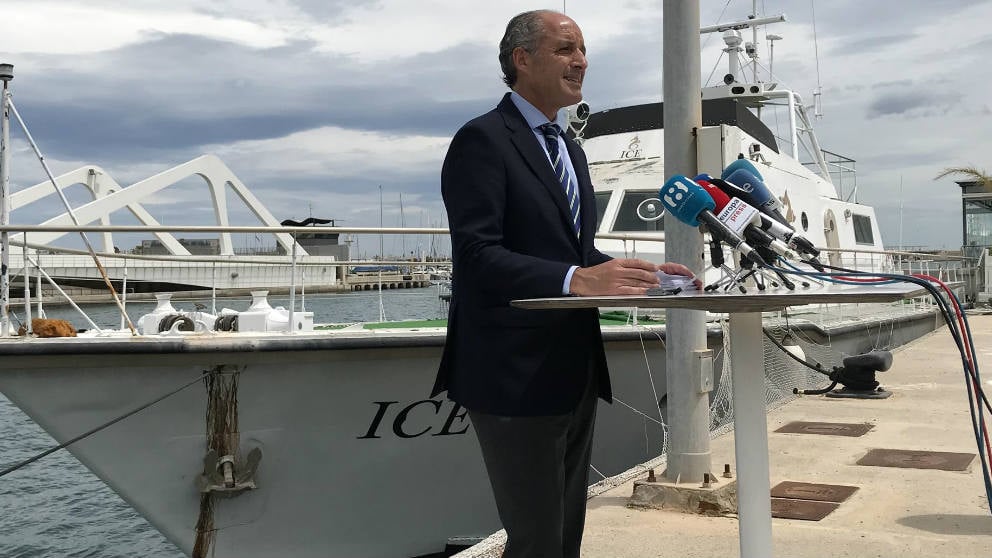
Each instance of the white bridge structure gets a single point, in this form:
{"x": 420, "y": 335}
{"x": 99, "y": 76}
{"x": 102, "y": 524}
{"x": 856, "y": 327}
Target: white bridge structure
{"x": 179, "y": 270}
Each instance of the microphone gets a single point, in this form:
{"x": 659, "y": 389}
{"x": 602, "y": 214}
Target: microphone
{"x": 777, "y": 226}
{"x": 734, "y": 211}
{"x": 736, "y": 214}
{"x": 690, "y": 203}
{"x": 741, "y": 163}
{"x": 754, "y": 188}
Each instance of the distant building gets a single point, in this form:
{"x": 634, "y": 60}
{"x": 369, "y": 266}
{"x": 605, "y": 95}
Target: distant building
{"x": 324, "y": 243}
{"x": 976, "y": 213}
{"x": 196, "y": 246}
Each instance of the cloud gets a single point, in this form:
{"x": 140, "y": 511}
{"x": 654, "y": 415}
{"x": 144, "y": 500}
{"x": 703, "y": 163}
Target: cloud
{"x": 315, "y": 104}
{"x": 872, "y": 42}
{"x": 139, "y": 99}
{"x": 913, "y": 104}
{"x": 330, "y": 9}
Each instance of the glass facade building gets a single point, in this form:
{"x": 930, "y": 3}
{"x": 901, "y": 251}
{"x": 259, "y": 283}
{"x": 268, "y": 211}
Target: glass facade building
{"x": 976, "y": 213}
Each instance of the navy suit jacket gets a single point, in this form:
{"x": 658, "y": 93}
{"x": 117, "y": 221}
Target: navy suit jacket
{"x": 512, "y": 238}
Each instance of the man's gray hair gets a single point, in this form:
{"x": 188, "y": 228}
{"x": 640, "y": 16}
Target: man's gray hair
{"x": 523, "y": 31}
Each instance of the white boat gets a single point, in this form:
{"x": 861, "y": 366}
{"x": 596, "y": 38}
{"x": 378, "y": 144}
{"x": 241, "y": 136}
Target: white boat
{"x": 336, "y": 448}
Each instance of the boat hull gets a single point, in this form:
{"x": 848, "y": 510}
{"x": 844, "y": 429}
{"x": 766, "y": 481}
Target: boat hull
{"x": 357, "y": 460}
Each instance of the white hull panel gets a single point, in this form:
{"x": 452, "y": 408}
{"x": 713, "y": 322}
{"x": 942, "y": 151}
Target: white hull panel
{"x": 356, "y": 460}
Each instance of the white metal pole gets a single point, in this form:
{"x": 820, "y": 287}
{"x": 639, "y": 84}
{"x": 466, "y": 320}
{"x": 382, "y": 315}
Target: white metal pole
{"x": 40, "y": 308}
{"x": 900, "y": 212}
{"x": 27, "y": 285}
{"x": 213, "y": 289}
{"x": 382, "y": 310}
{"x": 793, "y": 134}
{"x": 6, "y": 74}
{"x": 124, "y": 293}
{"x": 292, "y": 288}
{"x": 688, "y": 404}
{"x": 64, "y": 295}
{"x": 750, "y": 435}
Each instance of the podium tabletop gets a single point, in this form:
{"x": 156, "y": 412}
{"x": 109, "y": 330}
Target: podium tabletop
{"x": 770, "y": 299}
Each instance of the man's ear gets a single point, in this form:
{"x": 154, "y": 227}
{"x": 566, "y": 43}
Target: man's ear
{"x": 521, "y": 58}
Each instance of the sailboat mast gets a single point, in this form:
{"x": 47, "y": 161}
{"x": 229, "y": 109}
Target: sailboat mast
{"x": 6, "y": 74}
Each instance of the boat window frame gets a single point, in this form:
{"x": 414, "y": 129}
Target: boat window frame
{"x": 862, "y": 226}
{"x": 653, "y": 226}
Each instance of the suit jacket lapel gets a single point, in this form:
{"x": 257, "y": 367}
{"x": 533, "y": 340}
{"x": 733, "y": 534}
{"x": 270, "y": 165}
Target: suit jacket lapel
{"x": 526, "y": 144}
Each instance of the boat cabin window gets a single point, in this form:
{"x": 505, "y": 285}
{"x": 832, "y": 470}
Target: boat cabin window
{"x": 862, "y": 229}
{"x": 627, "y": 219}
{"x": 602, "y": 200}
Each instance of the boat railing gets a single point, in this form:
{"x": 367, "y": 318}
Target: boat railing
{"x": 843, "y": 173}
{"x": 961, "y": 271}
{"x": 33, "y": 255}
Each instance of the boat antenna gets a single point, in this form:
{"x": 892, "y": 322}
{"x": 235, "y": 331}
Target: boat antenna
{"x": 8, "y": 104}
{"x": 771, "y": 54}
{"x": 752, "y": 49}
{"x": 817, "y": 112}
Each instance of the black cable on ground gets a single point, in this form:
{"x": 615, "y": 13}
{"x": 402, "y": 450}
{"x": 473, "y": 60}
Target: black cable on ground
{"x": 971, "y": 368}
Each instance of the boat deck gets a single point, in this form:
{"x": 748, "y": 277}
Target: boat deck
{"x": 894, "y": 512}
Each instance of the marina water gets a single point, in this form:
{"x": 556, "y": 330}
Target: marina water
{"x": 55, "y": 508}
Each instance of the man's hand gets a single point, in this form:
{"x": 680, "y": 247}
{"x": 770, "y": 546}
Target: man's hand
{"x": 615, "y": 277}
{"x": 623, "y": 277}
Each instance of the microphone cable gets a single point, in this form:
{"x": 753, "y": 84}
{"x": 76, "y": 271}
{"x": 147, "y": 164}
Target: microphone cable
{"x": 958, "y": 326}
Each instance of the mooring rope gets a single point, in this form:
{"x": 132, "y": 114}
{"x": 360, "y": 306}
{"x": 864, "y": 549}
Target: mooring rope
{"x": 223, "y": 438}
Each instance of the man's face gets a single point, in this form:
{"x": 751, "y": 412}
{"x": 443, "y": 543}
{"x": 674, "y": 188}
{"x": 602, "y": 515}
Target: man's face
{"x": 551, "y": 76}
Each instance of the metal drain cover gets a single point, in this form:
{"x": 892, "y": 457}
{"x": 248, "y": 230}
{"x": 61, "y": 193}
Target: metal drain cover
{"x": 827, "y": 428}
{"x": 810, "y": 491}
{"x": 807, "y": 510}
{"x": 913, "y": 459}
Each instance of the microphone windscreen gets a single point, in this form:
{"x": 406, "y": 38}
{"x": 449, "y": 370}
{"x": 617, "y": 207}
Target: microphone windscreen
{"x": 740, "y": 164}
{"x": 685, "y": 199}
{"x": 746, "y": 180}
{"x": 702, "y": 176}
{"x": 719, "y": 198}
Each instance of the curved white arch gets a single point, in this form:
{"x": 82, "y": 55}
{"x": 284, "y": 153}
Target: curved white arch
{"x": 109, "y": 196}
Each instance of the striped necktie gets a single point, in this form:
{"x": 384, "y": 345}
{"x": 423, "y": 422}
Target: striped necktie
{"x": 551, "y": 132}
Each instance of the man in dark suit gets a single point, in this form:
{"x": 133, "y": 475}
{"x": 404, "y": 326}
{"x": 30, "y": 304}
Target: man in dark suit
{"x": 522, "y": 215}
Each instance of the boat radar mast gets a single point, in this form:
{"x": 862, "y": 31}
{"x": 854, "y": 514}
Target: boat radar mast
{"x": 756, "y": 94}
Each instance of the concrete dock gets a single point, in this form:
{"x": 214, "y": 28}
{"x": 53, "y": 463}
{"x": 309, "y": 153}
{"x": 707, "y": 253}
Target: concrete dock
{"x": 895, "y": 512}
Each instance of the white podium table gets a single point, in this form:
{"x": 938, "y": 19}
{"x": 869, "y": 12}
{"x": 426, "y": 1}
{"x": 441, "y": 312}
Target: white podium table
{"x": 750, "y": 423}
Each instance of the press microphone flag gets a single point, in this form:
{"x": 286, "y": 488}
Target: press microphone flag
{"x": 742, "y": 219}
{"x": 771, "y": 221}
{"x": 690, "y": 203}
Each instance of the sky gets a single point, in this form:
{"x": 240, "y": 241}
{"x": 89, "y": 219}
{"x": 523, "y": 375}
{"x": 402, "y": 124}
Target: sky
{"x": 316, "y": 104}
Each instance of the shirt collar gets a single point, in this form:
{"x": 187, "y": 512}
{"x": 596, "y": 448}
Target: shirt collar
{"x": 532, "y": 115}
